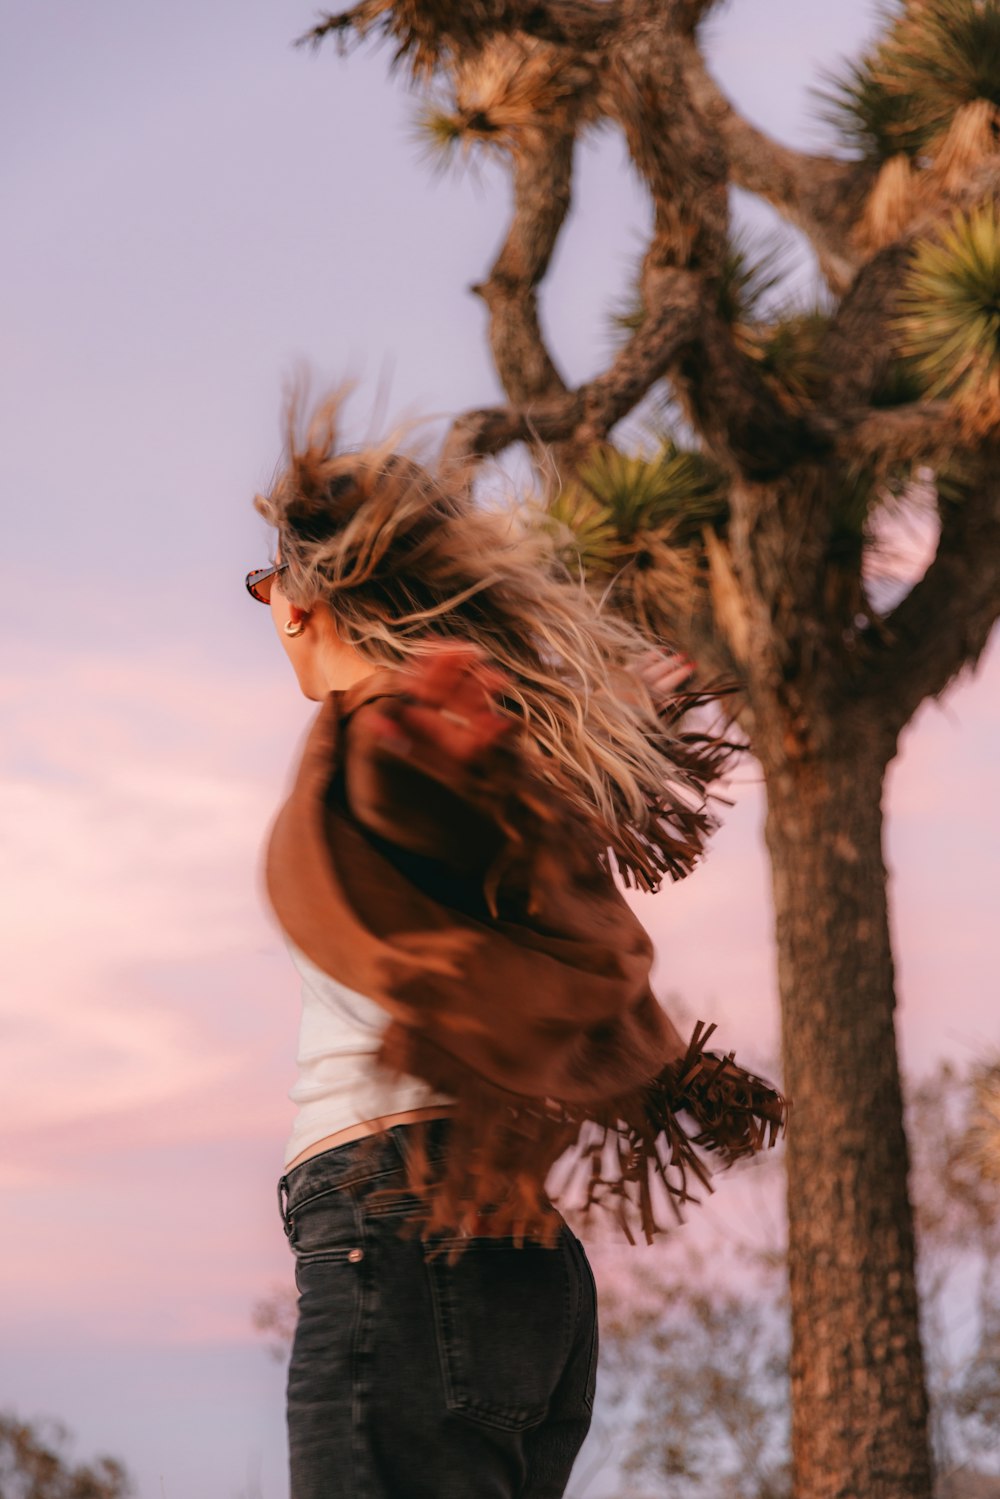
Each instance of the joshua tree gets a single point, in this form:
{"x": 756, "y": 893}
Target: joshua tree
{"x": 745, "y": 540}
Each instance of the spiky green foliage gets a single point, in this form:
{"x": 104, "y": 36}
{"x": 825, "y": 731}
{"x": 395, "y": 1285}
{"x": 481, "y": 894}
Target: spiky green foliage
{"x": 441, "y": 132}
{"x": 874, "y": 121}
{"x": 676, "y": 489}
{"x": 788, "y": 345}
{"x": 943, "y": 54}
{"x": 949, "y": 318}
{"x": 791, "y": 351}
{"x": 585, "y": 530}
{"x": 646, "y": 532}
{"x": 752, "y": 269}
{"x": 934, "y": 57}
{"x": 621, "y": 508}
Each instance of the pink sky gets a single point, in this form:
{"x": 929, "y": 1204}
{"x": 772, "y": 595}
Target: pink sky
{"x": 149, "y": 1012}
{"x": 192, "y": 207}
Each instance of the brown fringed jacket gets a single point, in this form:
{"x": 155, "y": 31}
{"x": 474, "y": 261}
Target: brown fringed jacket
{"x": 468, "y": 901}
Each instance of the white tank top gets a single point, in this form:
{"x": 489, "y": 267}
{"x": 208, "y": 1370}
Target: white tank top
{"x": 340, "y": 1082}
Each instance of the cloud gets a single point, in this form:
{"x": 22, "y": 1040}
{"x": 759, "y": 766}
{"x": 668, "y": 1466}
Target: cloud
{"x": 133, "y": 822}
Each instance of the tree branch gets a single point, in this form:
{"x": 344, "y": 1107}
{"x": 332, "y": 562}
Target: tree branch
{"x": 859, "y": 346}
{"x": 820, "y": 195}
{"x": 670, "y": 325}
{"x": 738, "y": 413}
{"x": 542, "y": 173}
{"x": 688, "y": 15}
{"x": 945, "y": 621}
{"x": 922, "y": 431}
{"x": 586, "y": 415}
{"x": 680, "y": 338}
{"x": 685, "y": 166}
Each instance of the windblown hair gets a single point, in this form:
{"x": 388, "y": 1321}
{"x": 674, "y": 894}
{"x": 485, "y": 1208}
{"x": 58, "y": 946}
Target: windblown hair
{"x": 399, "y": 554}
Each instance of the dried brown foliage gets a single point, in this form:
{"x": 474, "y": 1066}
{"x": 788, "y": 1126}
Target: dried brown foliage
{"x": 35, "y": 1464}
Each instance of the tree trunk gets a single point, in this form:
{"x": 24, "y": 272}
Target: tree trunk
{"x": 859, "y": 1423}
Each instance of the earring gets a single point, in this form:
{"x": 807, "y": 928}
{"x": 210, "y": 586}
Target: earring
{"x": 294, "y": 626}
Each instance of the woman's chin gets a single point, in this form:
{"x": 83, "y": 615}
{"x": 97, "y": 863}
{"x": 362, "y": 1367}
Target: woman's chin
{"x": 309, "y": 689}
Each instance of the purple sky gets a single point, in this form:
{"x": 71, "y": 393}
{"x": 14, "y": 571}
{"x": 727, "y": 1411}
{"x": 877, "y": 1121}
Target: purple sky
{"x": 192, "y": 206}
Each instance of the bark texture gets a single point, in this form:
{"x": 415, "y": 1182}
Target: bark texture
{"x": 858, "y": 1400}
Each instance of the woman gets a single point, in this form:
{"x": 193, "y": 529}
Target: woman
{"x": 476, "y": 1001}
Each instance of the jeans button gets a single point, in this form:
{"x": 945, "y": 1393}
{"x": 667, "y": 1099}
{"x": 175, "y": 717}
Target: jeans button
{"x": 354, "y": 1255}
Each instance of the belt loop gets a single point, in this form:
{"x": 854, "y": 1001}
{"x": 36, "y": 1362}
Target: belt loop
{"x": 283, "y": 1202}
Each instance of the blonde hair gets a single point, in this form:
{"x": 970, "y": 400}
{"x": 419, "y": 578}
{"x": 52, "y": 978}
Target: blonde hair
{"x": 398, "y": 554}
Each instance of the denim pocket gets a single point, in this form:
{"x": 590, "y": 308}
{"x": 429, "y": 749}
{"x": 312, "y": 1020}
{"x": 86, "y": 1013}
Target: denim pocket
{"x": 504, "y": 1323}
{"x": 326, "y": 1227}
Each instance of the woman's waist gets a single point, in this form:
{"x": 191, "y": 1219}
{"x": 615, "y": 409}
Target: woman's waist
{"x": 364, "y": 1128}
{"x": 367, "y": 1162}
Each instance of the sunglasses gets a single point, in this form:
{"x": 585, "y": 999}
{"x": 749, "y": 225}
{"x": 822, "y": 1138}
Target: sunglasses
{"x": 260, "y": 580}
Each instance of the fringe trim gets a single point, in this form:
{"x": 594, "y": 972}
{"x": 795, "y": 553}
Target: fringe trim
{"x": 678, "y": 825}
{"x": 734, "y": 1112}
{"x": 624, "y": 1153}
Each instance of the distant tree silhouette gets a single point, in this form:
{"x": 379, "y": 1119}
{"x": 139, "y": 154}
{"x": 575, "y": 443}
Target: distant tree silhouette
{"x": 34, "y": 1464}
{"x": 709, "y": 1360}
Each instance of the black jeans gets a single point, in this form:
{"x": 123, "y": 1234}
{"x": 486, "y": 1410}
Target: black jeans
{"x": 413, "y": 1378}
